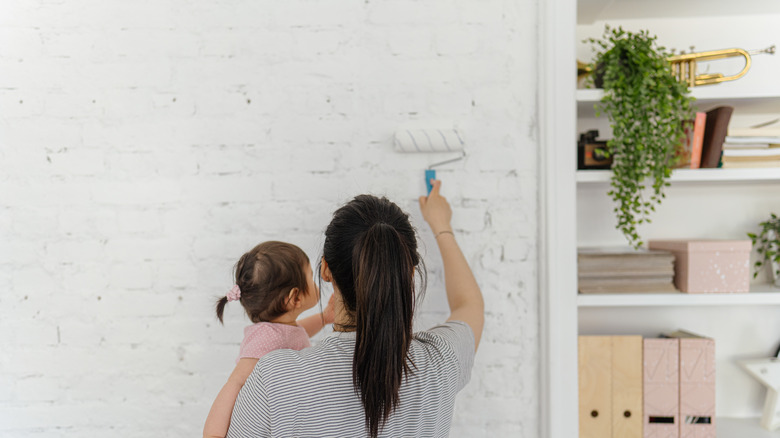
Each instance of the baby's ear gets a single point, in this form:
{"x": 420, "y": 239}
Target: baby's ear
{"x": 294, "y": 299}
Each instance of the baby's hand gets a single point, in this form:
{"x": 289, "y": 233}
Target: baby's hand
{"x": 329, "y": 314}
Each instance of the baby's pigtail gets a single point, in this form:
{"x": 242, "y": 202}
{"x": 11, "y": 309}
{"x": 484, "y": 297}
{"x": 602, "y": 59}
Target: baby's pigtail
{"x": 221, "y": 308}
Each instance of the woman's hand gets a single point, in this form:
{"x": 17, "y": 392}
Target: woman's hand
{"x": 436, "y": 210}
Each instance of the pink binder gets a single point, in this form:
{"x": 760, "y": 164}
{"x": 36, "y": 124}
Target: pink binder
{"x": 661, "y": 388}
{"x": 697, "y": 386}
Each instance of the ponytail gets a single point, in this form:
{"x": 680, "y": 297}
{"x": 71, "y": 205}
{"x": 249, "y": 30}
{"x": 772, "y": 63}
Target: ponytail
{"x": 371, "y": 250}
{"x": 384, "y": 292}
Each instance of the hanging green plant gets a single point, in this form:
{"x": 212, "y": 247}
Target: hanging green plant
{"x": 646, "y": 106}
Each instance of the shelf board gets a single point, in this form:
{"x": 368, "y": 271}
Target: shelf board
{"x": 694, "y": 175}
{"x": 759, "y": 295}
{"x": 591, "y": 11}
{"x": 742, "y": 427}
{"x": 589, "y": 95}
{"x": 706, "y": 98}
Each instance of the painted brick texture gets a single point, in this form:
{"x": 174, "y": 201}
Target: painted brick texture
{"x": 145, "y": 145}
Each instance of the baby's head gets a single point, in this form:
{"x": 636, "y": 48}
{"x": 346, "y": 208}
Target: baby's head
{"x": 270, "y": 277}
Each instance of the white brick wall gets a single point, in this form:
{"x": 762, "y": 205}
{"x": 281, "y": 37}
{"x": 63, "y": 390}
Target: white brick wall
{"x": 145, "y": 145}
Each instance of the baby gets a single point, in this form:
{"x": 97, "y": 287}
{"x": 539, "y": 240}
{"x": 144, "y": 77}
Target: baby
{"x": 274, "y": 284}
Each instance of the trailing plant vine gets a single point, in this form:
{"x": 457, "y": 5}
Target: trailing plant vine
{"x": 767, "y": 243}
{"x": 646, "y": 106}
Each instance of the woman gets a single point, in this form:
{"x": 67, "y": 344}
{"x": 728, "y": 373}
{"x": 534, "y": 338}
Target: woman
{"x": 374, "y": 377}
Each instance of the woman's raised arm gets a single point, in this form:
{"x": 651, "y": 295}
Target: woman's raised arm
{"x": 463, "y": 293}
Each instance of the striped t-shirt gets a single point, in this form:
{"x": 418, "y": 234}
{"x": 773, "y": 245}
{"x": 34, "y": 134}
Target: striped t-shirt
{"x": 309, "y": 393}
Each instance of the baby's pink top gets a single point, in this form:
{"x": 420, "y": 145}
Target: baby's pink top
{"x": 264, "y": 337}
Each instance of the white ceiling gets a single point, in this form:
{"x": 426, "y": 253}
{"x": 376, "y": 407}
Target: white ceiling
{"x": 590, "y": 11}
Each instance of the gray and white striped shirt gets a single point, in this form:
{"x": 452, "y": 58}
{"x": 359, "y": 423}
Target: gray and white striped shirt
{"x": 309, "y": 393}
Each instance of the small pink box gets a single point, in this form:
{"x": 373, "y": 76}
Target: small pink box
{"x": 709, "y": 266}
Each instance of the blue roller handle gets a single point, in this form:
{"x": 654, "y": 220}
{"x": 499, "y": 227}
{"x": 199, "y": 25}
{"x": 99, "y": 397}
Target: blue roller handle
{"x": 429, "y": 175}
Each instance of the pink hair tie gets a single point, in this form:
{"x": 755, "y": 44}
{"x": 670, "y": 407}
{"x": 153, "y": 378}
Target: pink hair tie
{"x": 234, "y": 293}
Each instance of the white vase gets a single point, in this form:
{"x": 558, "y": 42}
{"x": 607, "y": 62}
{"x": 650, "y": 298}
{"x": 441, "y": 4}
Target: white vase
{"x": 775, "y": 266}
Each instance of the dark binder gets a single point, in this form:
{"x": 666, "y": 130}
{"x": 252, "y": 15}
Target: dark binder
{"x": 715, "y": 131}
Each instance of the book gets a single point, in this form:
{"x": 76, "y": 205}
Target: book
{"x": 627, "y": 263}
{"x": 754, "y": 132}
{"x": 614, "y": 250}
{"x": 751, "y": 164}
{"x": 698, "y": 139}
{"x": 626, "y": 281}
{"x": 752, "y": 140}
{"x": 627, "y": 272}
{"x": 689, "y": 155}
{"x": 620, "y": 252}
{"x": 752, "y": 153}
{"x": 727, "y": 146}
{"x": 629, "y": 288}
{"x": 620, "y": 259}
{"x": 736, "y": 160}
{"x": 714, "y": 135}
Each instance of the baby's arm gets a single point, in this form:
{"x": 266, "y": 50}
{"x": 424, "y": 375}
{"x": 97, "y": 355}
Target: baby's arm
{"x": 313, "y": 324}
{"x": 218, "y": 421}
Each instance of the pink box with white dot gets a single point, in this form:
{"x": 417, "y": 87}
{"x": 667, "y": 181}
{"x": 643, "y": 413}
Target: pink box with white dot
{"x": 709, "y": 266}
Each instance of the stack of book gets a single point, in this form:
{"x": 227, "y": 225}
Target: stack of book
{"x": 752, "y": 147}
{"x": 624, "y": 270}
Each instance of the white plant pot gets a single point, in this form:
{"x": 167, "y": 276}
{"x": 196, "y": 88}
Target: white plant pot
{"x": 775, "y": 266}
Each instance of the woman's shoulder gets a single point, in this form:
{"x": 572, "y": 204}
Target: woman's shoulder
{"x": 450, "y": 332}
{"x": 449, "y": 348}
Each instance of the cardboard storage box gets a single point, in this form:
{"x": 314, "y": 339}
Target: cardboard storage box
{"x": 709, "y": 266}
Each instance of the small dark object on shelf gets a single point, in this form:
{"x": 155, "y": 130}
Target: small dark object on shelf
{"x": 592, "y": 153}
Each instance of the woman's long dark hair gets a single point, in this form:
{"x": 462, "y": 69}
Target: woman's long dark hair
{"x": 371, "y": 250}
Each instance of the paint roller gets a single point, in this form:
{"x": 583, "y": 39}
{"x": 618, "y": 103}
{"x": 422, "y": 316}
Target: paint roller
{"x": 430, "y": 141}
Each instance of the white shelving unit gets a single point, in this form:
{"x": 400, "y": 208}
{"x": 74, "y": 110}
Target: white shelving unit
{"x": 759, "y": 295}
{"x": 694, "y": 175}
{"x": 743, "y": 427}
{"x": 753, "y": 102}
{"x": 704, "y": 203}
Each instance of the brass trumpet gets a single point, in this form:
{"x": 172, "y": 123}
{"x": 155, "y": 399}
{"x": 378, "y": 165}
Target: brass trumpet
{"x": 685, "y": 66}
